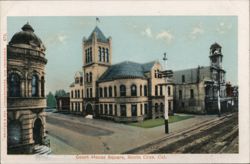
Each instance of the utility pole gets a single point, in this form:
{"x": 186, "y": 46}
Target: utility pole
{"x": 166, "y": 73}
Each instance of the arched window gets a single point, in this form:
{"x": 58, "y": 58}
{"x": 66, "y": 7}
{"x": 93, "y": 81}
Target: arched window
{"x": 133, "y": 90}
{"x": 90, "y": 54}
{"x": 75, "y": 94}
{"x": 42, "y": 87}
{"x": 156, "y": 90}
{"x": 100, "y": 53}
{"x": 90, "y": 77}
{"x": 134, "y": 110}
{"x": 90, "y": 92}
{"x": 100, "y": 92}
{"x": 161, "y": 91}
{"x": 14, "y": 85}
{"x": 86, "y": 56}
{"x": 72, "y": 94}
{"x": 110, "y": 91}
{"x": 107, "y": 54}
{"x": 34, "y": 84}
{"x": 105, "y": 92}
{"x": 161, "y": 107}
{"x": 103, "y": 54}
{"x": 115, "y": 91}
{"x": 156, "y": 107}
{"x": 140, "y": 90}
{"x": 87, "y": 92}
{"x": 145, "y": 90}
{"x": 169, "y": 91}
{"x": 78, "y": 93}
{"x": 122, "y": 90}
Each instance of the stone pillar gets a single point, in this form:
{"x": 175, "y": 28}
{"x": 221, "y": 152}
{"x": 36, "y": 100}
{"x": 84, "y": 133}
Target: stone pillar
{"x": 39, "y": 88}
{"x": 23, "y": 88}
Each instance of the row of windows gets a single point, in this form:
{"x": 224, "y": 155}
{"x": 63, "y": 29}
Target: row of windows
{"x": 76, "y": 106}
{"x": 14, "y": 86}
{"x": 76, "y": 94}
{"x": 88, "y": 77}
{"x": 103, "y": 54}
{"x": 191, "y": 94}
{"x": 161, "y": 91}
{"x": 89, "y": 93}
{"x": 88, "y": 55}
{"x": 107, "y": 109}
{"x": 108, "y": 92}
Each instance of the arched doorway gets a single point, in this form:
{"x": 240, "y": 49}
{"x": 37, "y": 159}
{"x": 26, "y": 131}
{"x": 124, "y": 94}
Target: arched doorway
{"x": 89, "y": 109}
{"x": 38, "y": 131}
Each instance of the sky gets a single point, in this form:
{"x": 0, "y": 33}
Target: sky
{"x": 185, "y": 39}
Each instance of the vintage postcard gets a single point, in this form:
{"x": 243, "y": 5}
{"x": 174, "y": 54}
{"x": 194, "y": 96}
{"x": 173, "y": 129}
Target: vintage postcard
{"x": 125, "y": 82}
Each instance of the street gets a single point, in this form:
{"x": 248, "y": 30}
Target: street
{"x": 71, "y": 134}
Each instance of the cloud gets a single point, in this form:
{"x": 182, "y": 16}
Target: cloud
{"x": 59, "y": 38}
{"x": 196, "y": 32}
{"x": 147, "y": 32}
{"x": 223, "y": 28}
{"x": 165, "y": 35}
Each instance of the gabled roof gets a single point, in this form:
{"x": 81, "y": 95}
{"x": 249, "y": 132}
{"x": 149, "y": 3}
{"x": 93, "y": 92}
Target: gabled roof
{"x": 126, "y": 69}
{"x": 99, "y": 35}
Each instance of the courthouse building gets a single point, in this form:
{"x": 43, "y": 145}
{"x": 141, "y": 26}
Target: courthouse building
{"x": 26, "y": 91}
{"x": 196, "y": 89}
{"x": 123, "y": 92}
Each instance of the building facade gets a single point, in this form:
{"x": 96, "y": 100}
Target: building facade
{"x": 197, "y": 89}
{"x": 123, "y": 92}
{"x": 26, "y": 92}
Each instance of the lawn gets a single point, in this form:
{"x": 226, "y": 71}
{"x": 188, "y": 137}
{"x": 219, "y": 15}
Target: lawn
{"x": 159, "y": 121}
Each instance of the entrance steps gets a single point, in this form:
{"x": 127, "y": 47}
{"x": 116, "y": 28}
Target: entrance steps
{"x": 42, "y": 150}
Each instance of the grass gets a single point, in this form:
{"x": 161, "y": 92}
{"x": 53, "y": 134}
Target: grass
{"x": 159, "y": 121}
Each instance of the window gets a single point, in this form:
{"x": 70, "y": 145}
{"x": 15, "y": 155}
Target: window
{"x": 103, "y": 54}
{"x": 72, "y": 94}
{"x": 110, "y": 91}
{"x": 134, "y": 110}
{"x": 115, "y": 110}
{"x": 105, "y": 92}
{"x": 110, "y": 109}
{"x": 86, "y": 56}
{"x": 141, "y": 109}
{"x": 101, "y": 109}
{"x": 161, "y": 92}
{"x": 90, "y": 92}
{"x": 100, "y": 90}
{"x": 146, "y": 108}
{"x": 90, "y": 54}
{"x": 87, "y": 92}
{"x": 100, "y": 53}
{"x": 14, "y": 132}
{"x": 122, "y": 90}
{"x": 169, "y": 105}
{"x": 75, "y": 94}
{"x": 115, "y": 91}
{"x": 145, "y": 90}
{"x": 82, "y": 93}
{"x": 14, "y": 85}
{"x": 156, "y": 107}
{"x": 161, "y": 107}
{"x": 180, "y": 94}
{"x": 107, "y": 54}
{"x": 123, "y": 110}
{"x": 155, "y": 73}
{"x": 106, "y": 109}
{"x": 140, "y": 90}
{"x": 34, "y": 84}
{"x": 133, "y": 90}
{"x": 42, "y": 86}
{"x": 183, "y": 78}
{"x": 191, "y": 93}
{"x": 156, "y": 90}
{"x": 169, "y": 91}
{"x": 81, "y": 80}
{"x": 78, "y": 93}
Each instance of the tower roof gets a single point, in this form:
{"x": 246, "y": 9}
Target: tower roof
{"x": 99, "y": 35}
{"x": 215, "y": 45}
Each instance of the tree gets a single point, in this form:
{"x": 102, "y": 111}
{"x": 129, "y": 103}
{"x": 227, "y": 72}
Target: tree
{"x": 60, "y": 92}
{"x": 51, "y": 101}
